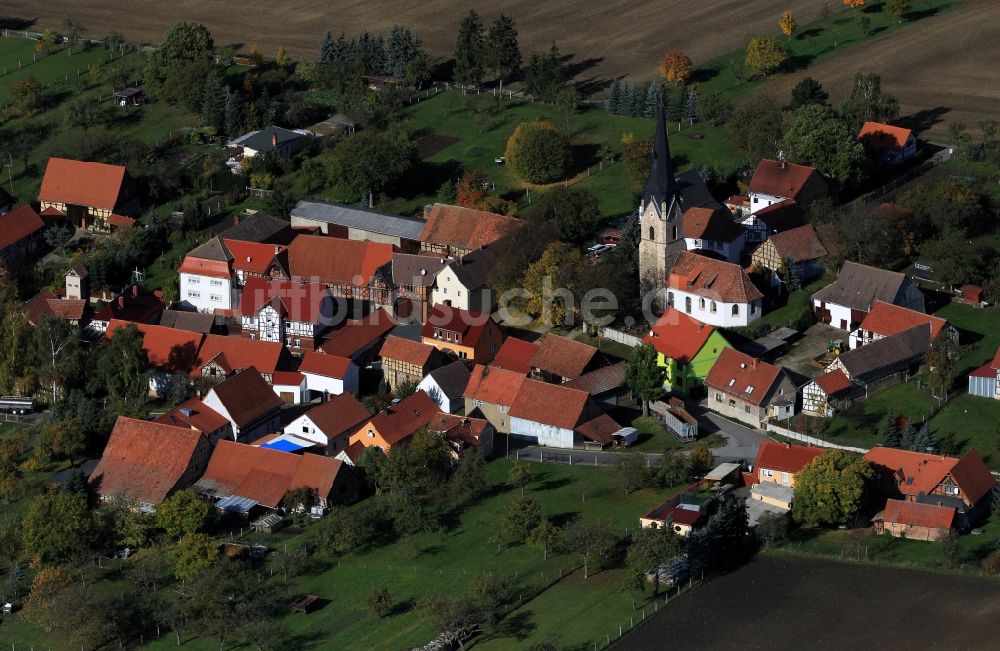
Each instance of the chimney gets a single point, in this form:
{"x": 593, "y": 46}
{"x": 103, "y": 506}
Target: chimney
{"x": 754, "y": 362}
{"x": 274, "y": 139}
{"x": 135, "y": 291}
{"x": 277, "y": 249}
{"x": 121, "y": 301}
{"x": 325, "y": 397}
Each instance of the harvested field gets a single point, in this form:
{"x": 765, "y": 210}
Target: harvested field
{"x": 943, "y": 69}
{"x": 783, "y": 602}
{"x": 616, "y": 37}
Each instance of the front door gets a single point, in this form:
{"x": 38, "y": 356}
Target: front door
{"x": 843, "y": 324}
{"x": 784, "y": 479}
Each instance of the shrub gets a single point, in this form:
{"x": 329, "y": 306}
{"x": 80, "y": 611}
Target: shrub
{"x": 538, "y": 152}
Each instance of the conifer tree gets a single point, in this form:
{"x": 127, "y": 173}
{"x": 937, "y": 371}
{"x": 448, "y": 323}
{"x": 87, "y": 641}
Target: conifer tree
{"x": 469, "y": 50}
{"x": 637, "y": 100}
{"x": 614, "y": 96}
{"x": 654, "y": 98}
{"x": 326, "y": 49}
{"x": 213, "y": 103}
{"x": 691, "y": 106}
{"x": 503, "y": 55}
{"x": 234, "y": 114}
{"x": 908, "y": 436}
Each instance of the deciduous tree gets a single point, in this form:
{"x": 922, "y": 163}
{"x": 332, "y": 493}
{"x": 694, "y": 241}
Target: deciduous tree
{"x": 519, "y": 475}
{"x": 631, "y": 471}
{"x": 380, "y": 600}
{"x": 545, "y": 535}
{"x": 787, "y": 23}
{"x": 519, "y": 518}
{"x": 573, "y": 210}
{"x": 765, "y": 54}
{"x": 192, "y": 554}
{"x": 367, "y": 162}
{"x": 123, "y": 370}
{"x": 184, "y": 512}
{"x": 942, "y": 369}
{"x": 57, "y": 525}
{"x": 644, "y": 375}
{"x": 868, "y": 103}
{"x": 898, "y": 9}
{"x": 637, "y": 154}
{"x": 589, "y": 541}
{"x": 702, "y": 460}
{"x": 830, "y": 489}
{"x": 675, "y": 67}
{"x": 650, "y": 548}
{"x": 819, "y": 137}
{"x": 538, "y": 152}
{"x": 755, "y": 128}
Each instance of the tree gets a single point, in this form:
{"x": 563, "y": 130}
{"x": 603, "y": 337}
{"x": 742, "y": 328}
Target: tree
{"x": 588, "y": 540}
{"x": 470, "y": 50}
{"x": 191, "y": 555}
{"x": 64, "y": 439}
{"x": 634, "y": 584}
{"x": 519, "y": 475}
{"x": 614, "y": 96}
{"x": 213, "y": 104}
{"x": 123, "y": 370}
{"x": 854, "y": 4}
{"x": 867, "y": 102}
{"x": 654, "y": 99}
{"x": 56, "y": 526}
{"x": 282, "y": 59}
{"x": 830, "y": 489}
{"x": 898, "y": 9}
{"x": 538, "y": 152}
{"x": 888, "y": 431}
{"x": 691, "y": 106}
{"x": 544, "y": 536}
{"x": 675, "y": 67}
{"x": 715, "y": 109}
{"x": 186, "y": 41}
{"x": 644, "y": 375}
{"x": 908, "y": 436}
{"x": 184, "y": 512}
{"x": 652, "y": 547}
{"x": 55, "y": 349}
{"x": 74, "y": 32}
{"x": 637, "y": 154}
{"x": 468, "y": 482}
{"x": 819, "y": 137}
{"x": 367, "y": 162}
{"x": 380, "y": 600}
{"x": 756, "y": 128}
{"x": 787, "y": 23}
{"x": 544, "y": 76}
{"x": 924, "y": 441}
{"x": 129, "y": 526}
{"x": 470, "y": 191}
{"x": 418, "y": 469}
{"x": 234, "y": 115}
{"x": 402, "y": 48}
{"x": 27, "y": 94}
{"x": 519, "y": 518}
{"x": 675, "y": 469}
{"x": 723, "y": 543}
{"x": 808, "y": 91}
{"x": 702, "y": 460}
{"x": 326, "y": 48}
{"x": 772, "y": 527}
{"x": 942, "y": 369}
{"x": 573, "y": 210}
{"x": 765, "y": 54}
{"x": 41, "y": 608}
{"x": 503, "y": 55}
{"x": 631, "y": 471}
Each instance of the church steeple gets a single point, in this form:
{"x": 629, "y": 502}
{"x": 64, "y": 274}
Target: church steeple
{"x": 661, "y": 186}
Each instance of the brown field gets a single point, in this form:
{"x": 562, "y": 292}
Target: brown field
{"x": 944, "y": 69}
{"x": 610, "y": 38}
{"x": 791, "y": 603}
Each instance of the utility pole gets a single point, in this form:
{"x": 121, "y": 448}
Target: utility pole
{"x": 10, "y": 176}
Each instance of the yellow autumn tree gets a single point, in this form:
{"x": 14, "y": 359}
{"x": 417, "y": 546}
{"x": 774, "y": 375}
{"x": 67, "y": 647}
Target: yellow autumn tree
{"x": 787, "y": 23}
{"x": 282, "y": 58}
{"x": 675, "y": 66}
{"x": 256, "y": 54}
{"x": 854, "y": 4}
{"x": 765, "y": 54}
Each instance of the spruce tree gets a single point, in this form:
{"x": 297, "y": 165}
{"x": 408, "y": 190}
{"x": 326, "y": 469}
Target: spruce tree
{"x": 674, "y": 105}
{"x": 654, "y": 99}
{"x": 924, "y": 441}
{"x": 213, "y": 103}
{"x": 889, "y": 431}
{"x": 614, "y": 96}
{"x": 794, "y": 275}
{"x": 503, "y": 54}
{"x": 636, "y": 101}
{"x": 326, "y": 49}
{"x": 401, "y": 48}
{"x": 234, "y": 114}
{"x": 469, "y": 50}
{"x": 908, "y": 437}
{"x": 691, "y": 106}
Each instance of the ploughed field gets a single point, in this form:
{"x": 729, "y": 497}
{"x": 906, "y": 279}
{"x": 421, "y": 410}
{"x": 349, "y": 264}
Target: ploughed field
{"x": 780, "y": 602}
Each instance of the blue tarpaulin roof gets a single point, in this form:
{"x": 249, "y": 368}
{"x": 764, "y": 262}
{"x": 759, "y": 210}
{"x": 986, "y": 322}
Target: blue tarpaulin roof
{"x": 284, "y": 445}
{"x": 236, "y": 504}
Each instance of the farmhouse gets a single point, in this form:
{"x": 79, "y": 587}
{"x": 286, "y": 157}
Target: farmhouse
{"x": 464, "y": 334}
{"x": 281, "y": 141}
{"x": 606, "y": 385}
{"x": 491, "y": 391}
{"x": 464, "y": 434}
{"x": 147, "y": 461}
{"x": 713, "y": 292}
{"x": 445, "y": 385}
{"x": 196, "y": 415}
{"x": 778, "y": 180}
{"x": 885, "y": 361}
{"x": 256, "y": 260}
{"x": 826, "y": 393}
{"x": 20, "y": 232}
{"x": 87, "y": 193}
{"x": 560, "y": 359}
{"x": 687, "y": 348}
{"x": 134, "y": 304}
{"x": 352, "y": 270}
{"x": 172, "y": 354}
{"x": 259, "y": 228}
{"x": 965, "y": 484}
{"x": 219, "y": 357}
{"x": 749, "y": 390}
{"x": 330, "y": 423}
{"x": 360, "y": 340}
{"x": 515, "y": 355}
{"x": 454, "y": 231}
{"x": 845, "y": 303}
{"x": 463, "y": 283}
{"x": 397, "y": 422}
{"x": 886, "y": 319}
{"x": 414, "y": 277}
{"x": 799, "y": 247}
{"x": 248, "y": 403}
{"x": 552, "y": 415}
{"x": 892, "y": 145}
{"x": 713, "y": 232}
{"x": 46, "y": 304}
{"x": 359, "y": 224}
{"x": 328, "y": 374}
{"x": 776, "y": 218}
{"x": 914, "y": 521}
{"x": 405, "y": 361}
{"x": 282, "y": 311}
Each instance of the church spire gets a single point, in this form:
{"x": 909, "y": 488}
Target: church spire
{"x": 662, "y": 185}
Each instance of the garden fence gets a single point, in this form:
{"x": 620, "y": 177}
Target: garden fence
{"x": 811, "y": 440}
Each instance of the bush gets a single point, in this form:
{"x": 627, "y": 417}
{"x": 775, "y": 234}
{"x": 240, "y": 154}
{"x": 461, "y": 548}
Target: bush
{"x": 573, "y": 210}
{"x": 538, "y": 152}
{"x": 715, "y": 109}
{"x": 991, "y": 564}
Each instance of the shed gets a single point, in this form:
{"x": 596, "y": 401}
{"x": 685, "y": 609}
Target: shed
{"x": 983, "y": 382}
{"x": 971, "y": 294}
{"x": 723, "y": 472}
{"x": 130, "y": 96}
{"x": 267, "y": 523}
{"x": 626, "y": 436}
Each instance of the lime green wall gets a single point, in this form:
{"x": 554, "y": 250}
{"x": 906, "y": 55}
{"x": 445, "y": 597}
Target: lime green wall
{"x": 686, "y": 377}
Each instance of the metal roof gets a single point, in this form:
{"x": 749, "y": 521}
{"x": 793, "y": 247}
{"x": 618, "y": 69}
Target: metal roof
{"x": 360, "y": 218}
{"x": 721, "y": 471}
{"x": 236, "y": 504}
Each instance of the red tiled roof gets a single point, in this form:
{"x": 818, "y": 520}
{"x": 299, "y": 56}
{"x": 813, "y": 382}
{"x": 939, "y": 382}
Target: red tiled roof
{"x": 784, "y": 457}
{"x": 884, "y": 136}
{"x": 987, "y": 370}
{"x": 199, "y": 416}
{"x": 833, "y": 382}
{"x": 996, "y": 360}
{"x": 339, "y": 414}
{"x": 335, "y": 261}
{"x": 287, "y": 378}
{"x": 563, "y": 357}
{"x": 18, "y": 224}
{"x": 714, "y": 279}
{"x": 469, "y": 326}
{"x": 52, "y": 211}
{"x": 799, "y": 244}
{"x": 82, "y": 183}
{"x": 919, "y": 473}
{"x": 739, "y": 374}
{"x": 257, "y": 258}
{"x": 678, "y": 336}
{"x": 403, "y": 419}
{"x": 466, "y": 228}
{"x": 550, "y": 404}
{"x": 144, "y": 460}
{"x": 241, "y": 353}
{"x": 458, "y": 428}
{"x": 323, "y": 364}
{"x": 246, "y": 396}
{"x": 295, "y": 301}
{"x": 688, "y": 517}
{"x": 515, "y": 355}
{"x": 354, "y": 451}
{"x": 47, "y": 304}
{"x": 316, "y": 472}
{"x": 169, "y": 350}
{"x": 780, "y": 179}
{"x": 357, "y": 336}
{"x": 121, "y": 221}
{"x": 202, "y": 267}
{"x": 599, "y": 429}
{"x": 780, "y": 216}
{"x": 406, "y": 351}
{"x": 710, "y": 224}
{"x": 932, "y": 516}
{"x": 601, "y": 380}
{"x": 495, "y": 386}
{"x": 887, "y": 319}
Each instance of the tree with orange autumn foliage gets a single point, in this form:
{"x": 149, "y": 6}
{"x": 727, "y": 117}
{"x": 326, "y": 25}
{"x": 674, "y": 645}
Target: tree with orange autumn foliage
{"x": 854, "y": 4}
{"x": 675, "y": 66}
{"x": 471, "y": 189}
{"x": 787, "y": 23}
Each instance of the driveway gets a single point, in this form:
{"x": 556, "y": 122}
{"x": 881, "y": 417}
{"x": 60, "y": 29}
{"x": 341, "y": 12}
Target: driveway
{"x": 741, "y": 441}
{"x": 814, "y": 342}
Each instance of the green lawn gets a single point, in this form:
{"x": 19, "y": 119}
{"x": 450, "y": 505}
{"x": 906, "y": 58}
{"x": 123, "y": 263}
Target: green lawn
{"x": 799, "y": 303}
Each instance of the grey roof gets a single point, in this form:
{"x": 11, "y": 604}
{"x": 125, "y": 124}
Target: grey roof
{"x": 263, "y": 140}
{"x": 774, "y": 491}
{"x": 858, "y": 286}
{"x": 417, "y": 270}
{"x": 190, "y": 321}
{"x": 886, "y": 352}
{"x": 360, "y": 218}
{"x": 213, "y": 249}
{"x": 473, "y": 270}
{"x": 452, "y": 378}
{"x": 662, "y": 185}
{"x": 757, "y": 508}
{"x": 721, "y": 471}
{"x": 260, "y": 228}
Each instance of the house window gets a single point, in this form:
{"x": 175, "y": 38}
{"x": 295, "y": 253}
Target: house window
{"x": 746, "y": 408}
{"x": 192, "y": 281}
{"x": 194, "y": 294}
{"x": 444, "y": 290}
{"x": 951, "y": 490}
{"x": 217, "y": 283}
{"x": 713, "y": 307}
{"x": 670, "y": 299}
{"x": 756, "y": 200}
{"x": 767, "y": 473}
{"x": 736, "y": 310}
{"x": 216, "y": 298}
{"x": 687, "y": 304}
{"x": 371, "y": 434}
{"x": 459, "y": 292}
{"x": 718, "y": 397}
{"x": 305, "y": 429}
{"x": 701, "y": 303}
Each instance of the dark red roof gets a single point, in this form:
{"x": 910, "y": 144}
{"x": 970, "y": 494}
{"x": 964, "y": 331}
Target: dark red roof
{"x": 915, "y": 514}
{"x": 135, "y": 303}
{"x": 550, "y": 404}
{"x": 246, "y": 396}
{"x": 255, "y": 257}
{"x": 515, "y": 355}
{"x": 599, "y": 429}
{"x": 168, "y": 349}
{"x": 82, "y": 183}
{"x": 563, "y": 357}
{"x": 833, "y": 382}
{"x": 406, "y": 351}
{"x": 45, "y": 303}
{"x": 338, "y": 415}
{"x": 356, "y": 337}
{"x": 335, "y": 261}
{"x": 739, "y": 374}
{"x": 495, "y": 386}
{"x": 466, "y": 228}
{"x": 887, "y": 319}
{"x": 287, "y": 378}
{"x": 121, "y": 221}
{"x": 326, "y": 365}
{"x": 784, "y": 457}
{"x": 710, "y": 224}
{"x": 467, "y": 325}
{"x": 295, "y": 301}
{"x": 194, "y": 413}
{"x": 780, "y": 179}
{"x": 19, "y": 223}
{"x": 240, "y": 353}
{"x": 403, "y": 419}
{"x": 800, "y": 244}
{"x": 714, "y": 279}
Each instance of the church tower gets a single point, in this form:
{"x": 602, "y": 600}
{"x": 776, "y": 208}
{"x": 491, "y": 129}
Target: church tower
{"x": 660, "y": 217}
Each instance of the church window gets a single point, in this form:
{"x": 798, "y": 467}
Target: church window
{"x": 687, "y": 304}
{"x": 713, "y": 308}
{"x": 736, "y": 310}
{"x": 701, "y": 304}
{"x": 674, "y": 236}
{"x": 652, "y": 235}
